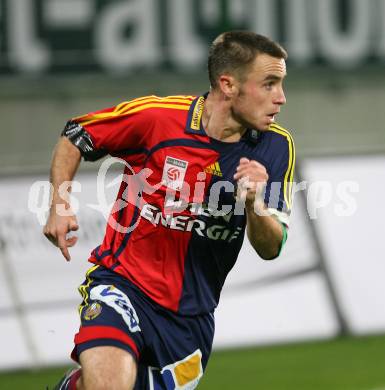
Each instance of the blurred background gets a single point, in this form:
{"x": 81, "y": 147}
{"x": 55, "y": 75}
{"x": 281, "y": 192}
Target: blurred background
{"x": 316, "y": 316}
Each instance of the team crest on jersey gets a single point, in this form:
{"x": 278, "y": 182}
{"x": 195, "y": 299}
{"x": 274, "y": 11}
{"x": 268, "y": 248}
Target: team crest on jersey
{"x": 174, "y": 171}
{"x": 92, "y": 311}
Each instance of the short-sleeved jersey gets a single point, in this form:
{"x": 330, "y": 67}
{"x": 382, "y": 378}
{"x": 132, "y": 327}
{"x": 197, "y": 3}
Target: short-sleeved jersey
{"x": 183, "y": 228}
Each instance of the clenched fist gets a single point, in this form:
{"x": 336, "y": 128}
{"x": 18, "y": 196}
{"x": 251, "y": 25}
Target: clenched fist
{"x": 251, "y": 177}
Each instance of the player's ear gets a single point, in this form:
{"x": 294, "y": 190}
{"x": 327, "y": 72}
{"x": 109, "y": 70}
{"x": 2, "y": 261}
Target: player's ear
{"x": 228, "y": 85}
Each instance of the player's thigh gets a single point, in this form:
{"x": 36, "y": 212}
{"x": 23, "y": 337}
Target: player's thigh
{"x": 107, "y": 367}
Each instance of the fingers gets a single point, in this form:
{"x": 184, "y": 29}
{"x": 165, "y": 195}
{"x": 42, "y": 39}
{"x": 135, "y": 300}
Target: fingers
{"x": 65, "y": 253}
{"x": 56, "y": 231}
{"x": 71, "y": 241}
{"x": 50, "y": 236}
{"x": 62, "y": 244}
{"x": 245, "y": 163}
{"x": 251, "y": 177}
{"x": 253, "y": 169}
{"x": 73, "y": 226}
{"x": 65, "y": 244}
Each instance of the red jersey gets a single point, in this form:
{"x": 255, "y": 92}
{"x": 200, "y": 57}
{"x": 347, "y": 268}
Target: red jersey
{"x": 182, "y": 226}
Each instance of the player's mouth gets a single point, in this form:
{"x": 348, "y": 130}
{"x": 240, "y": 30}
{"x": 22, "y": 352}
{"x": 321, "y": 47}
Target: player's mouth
{"x": 272, "y": 116}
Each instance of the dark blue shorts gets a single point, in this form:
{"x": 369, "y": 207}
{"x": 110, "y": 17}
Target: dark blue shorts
{"x": 171, "y": 350}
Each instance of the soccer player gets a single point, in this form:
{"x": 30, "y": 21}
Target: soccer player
{"x": 215, "y": 166}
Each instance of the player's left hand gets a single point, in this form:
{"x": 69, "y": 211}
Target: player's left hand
{"x": 251, "y": 177}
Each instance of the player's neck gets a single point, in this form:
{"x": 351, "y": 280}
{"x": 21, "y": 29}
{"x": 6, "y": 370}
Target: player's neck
{"x": 218, "y": 121}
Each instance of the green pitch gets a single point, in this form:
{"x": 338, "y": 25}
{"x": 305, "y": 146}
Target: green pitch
{"x": 343, "y": 364}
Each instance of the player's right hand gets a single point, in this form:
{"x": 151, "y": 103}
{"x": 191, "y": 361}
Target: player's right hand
{"x": 56, "y": 230}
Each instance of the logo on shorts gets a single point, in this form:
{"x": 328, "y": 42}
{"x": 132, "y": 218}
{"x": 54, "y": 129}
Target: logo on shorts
{"x": 92, "y": 311}
{"x": 174, "y": 171}
{"x": 118, "y": 301}
{"x": 181, "y": 375}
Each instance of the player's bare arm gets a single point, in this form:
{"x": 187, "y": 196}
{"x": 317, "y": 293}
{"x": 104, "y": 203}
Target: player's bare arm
{"x": 263, "y": 230}
{"x": 65, "y": 161}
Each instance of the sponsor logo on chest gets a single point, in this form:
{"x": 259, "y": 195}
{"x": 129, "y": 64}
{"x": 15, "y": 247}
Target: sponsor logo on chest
{"x": 174, "y": 172}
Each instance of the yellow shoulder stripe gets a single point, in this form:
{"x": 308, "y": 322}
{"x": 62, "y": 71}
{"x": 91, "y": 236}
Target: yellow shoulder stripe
{"x": 154, "y": 97}
{"x": 174, "y": 98}
{"x": 289, "y": 175}
{"x": 131, "y": 108}
{"x": 123, "y": 107}
{"x": 190, "y": 97}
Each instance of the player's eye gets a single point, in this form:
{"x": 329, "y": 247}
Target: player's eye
{"x": 269, "y": 85}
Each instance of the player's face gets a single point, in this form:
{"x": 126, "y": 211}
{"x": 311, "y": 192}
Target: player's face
{"x": 260, "y": 95}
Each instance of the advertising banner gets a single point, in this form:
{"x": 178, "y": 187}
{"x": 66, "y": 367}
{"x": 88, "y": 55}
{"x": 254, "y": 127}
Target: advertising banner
{"x": 48, "y": 36}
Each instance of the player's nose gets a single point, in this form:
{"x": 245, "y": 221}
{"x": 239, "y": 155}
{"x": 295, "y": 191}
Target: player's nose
{"x": 280, "y": 97}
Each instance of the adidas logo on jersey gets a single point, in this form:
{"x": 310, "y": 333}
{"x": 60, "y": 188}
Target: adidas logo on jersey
{"x": 214, "y": 169}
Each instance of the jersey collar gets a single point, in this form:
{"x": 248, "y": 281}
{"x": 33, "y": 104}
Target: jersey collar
{"x": 194, "y": 118}
{"x": 194, "y": 121}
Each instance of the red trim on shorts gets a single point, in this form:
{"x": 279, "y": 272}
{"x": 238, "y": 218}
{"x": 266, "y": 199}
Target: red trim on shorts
{"x": 88, "y": 333}
{"x": 74, "y": 378}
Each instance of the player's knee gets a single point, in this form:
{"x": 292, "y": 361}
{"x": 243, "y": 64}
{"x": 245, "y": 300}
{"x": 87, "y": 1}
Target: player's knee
{"x": 105, "y": 383}
{"x": 107, "y": 368}
{"x": 98, "y": 381}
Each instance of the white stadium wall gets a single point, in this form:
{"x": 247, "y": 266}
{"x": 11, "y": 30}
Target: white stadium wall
{"x": 321, "y": 285}
{"x": 354, "y": 245}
